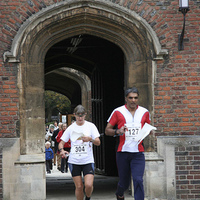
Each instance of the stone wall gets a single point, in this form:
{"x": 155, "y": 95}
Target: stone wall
{"x": 23, "y": 175}
{"x": 181, "y": 159}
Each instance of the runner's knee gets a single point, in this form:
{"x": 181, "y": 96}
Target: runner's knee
{"x": 79, "y": 187}
{"x": 137, "y": 181}
{"x": 88, "y": 186}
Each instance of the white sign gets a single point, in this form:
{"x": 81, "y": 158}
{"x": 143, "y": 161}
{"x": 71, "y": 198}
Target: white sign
{"x": 146, "y": 129}
{"x": 64, "y": 120}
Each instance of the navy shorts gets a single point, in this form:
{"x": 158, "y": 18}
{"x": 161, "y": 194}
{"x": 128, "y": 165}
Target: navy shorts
{"x": 77, "y": 170}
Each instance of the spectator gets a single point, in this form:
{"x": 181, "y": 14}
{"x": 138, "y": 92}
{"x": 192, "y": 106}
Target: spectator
{"x": 67, "y": 147}
{"x": 56, "y": 125}
{"x": 48, "y": 157}
{"x": 56, "y": 155}
{"x": 49, "y": 135}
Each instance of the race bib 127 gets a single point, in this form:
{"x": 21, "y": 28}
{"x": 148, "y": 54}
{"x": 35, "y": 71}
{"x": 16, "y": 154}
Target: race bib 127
{"x": 132, "y": 131}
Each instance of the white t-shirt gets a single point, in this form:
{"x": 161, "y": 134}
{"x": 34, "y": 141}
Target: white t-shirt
{"x": 81, "y": 152}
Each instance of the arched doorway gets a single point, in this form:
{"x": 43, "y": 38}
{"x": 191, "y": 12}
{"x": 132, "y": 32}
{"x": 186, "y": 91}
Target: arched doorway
{"x": 128, "y": 31}
{"x": 102, "y": 62}
{"x": 135, "y": 45}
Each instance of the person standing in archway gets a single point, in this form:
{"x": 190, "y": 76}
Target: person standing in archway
{"x": 57, "y": 157}
{"x": 129, "y": 119}
{"x": 67, "y": 147}
{"x": 83, "y": 135}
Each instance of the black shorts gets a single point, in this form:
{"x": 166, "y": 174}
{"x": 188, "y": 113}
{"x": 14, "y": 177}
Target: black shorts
{"x": 76, "y": 170}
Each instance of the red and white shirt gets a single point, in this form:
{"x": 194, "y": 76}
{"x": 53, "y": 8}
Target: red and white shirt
{"x": 120, "y": 117}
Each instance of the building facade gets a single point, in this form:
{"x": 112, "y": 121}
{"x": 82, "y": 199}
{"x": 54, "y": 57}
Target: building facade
{"x": 90, "y": 50}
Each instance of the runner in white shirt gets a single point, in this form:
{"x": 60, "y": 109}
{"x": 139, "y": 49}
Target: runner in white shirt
{"x": 83, "y": 135}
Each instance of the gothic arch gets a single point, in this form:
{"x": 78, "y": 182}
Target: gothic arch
{"x": 80, "y": 78}
{"x": 126, "y": 29}
{"x": 62, "y": 20}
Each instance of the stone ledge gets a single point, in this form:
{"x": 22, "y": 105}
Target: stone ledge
{"x": 8, "y": 142}
{"x": 31, "y": 159}
{"x": 188, "y": 140}
{"x": 153, "y": 156}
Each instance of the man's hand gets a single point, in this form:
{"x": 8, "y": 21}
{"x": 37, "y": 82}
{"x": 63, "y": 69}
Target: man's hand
{"x": 122, "y": 130}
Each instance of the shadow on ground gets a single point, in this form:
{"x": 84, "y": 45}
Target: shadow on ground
{"x": 60, "y": 186}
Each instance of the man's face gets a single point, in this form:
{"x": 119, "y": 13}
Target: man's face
{"x": 51, "y": 129}
{"x": 60, "y": 126}
{"x": 64, "y": 127}
{"x": 132, "y": 100}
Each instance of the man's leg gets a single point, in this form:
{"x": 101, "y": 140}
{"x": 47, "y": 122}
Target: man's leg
{"x": 137, "y": 170}
{"x": 58, "y": 161}
{"x": 54, "y": 156}
{"x": 63, "y": 165}
{"x": 124, "y": 173}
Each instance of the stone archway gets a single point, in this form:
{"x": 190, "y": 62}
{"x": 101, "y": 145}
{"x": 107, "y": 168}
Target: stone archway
{"x": 80, "y": 78}
{"x": 124, "y": 28}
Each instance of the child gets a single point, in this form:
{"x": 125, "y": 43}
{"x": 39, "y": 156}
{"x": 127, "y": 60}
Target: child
{"x": 48, "y": 156}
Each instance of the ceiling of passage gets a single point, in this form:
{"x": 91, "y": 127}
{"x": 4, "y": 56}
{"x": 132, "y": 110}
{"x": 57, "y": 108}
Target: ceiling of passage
{"x": 84, "y": 53}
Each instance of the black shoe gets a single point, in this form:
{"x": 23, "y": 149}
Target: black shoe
{"x": 62, "y": 171}
{"x": 59, "y": 168}
{"x": 87, "y": 198}
{"x": 120, "y": 198}
{"x": 49, "y": 172}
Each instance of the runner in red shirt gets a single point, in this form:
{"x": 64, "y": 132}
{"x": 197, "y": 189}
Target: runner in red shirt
{"x": 129, "y": 119}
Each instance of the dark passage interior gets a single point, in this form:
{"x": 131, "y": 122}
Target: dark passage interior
{"x": 103, "y": 62}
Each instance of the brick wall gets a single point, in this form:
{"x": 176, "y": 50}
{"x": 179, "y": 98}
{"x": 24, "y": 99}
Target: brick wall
{"x": 187, "y": 172}
{"x": 1, "y": 178}
{"x": 177, "y": 77}
{"x": 8, "y": 100}
{"x": 177, "y": 96}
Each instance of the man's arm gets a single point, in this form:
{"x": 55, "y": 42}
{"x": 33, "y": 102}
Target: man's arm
{"x": 111, "y": 132}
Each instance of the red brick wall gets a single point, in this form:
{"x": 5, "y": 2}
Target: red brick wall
{"x": 8, "y": 99}
{"x": 1, "y": 178}
{"x": 187, "y": 172}
{"x": 177, "y": 77}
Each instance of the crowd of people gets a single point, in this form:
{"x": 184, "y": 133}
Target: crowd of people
{"x": 52, "y": 138}
{"x": 72, "y": 146}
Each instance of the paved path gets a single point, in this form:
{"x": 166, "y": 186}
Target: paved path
{"x": 60, "y": 186}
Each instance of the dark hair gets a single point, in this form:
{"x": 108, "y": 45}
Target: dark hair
{"x": 133, "y": 90}
{"x": 79, "y": 110}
